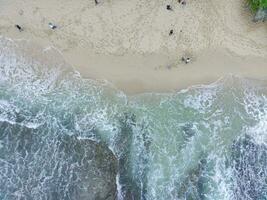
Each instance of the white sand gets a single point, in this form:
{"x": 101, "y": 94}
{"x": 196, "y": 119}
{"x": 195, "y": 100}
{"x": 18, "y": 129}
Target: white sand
{"x": 128, "y": 42}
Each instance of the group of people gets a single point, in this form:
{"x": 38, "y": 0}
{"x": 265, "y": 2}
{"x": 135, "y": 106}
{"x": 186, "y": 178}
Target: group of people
{"x": 186, "y": 60}
{"x": 183, "y": 2}
{"x": 51, "y": 25}
{"x": 168, "y": 7}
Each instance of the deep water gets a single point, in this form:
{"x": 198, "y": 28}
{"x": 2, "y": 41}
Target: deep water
{"x": 205, "y": 142}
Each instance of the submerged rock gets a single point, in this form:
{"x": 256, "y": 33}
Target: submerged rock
{"x": 261, "y": 15}
{"x": 249, "y": 162}
{"x": 132, "y": 160}
{"x": 192, "y": 186}
{"x": 39, "y": 164}
{"x": 188, "y": 131}
{"x": 129, "y": 188}
{"x": 95, "y": 167}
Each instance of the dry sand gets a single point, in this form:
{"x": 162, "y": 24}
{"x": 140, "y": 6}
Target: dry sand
{"x": 128, "y": 42}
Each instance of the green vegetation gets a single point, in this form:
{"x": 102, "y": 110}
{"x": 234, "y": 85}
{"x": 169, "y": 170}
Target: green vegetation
{"x": 257, "y": 4}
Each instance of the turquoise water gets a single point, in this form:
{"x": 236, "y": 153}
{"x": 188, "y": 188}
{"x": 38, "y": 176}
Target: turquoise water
{"x": 205, "y": 142}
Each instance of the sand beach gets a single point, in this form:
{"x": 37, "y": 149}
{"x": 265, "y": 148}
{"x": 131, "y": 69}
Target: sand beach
{"x": 128, "y": 44}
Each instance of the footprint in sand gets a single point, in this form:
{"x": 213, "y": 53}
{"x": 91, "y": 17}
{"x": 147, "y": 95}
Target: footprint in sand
{"x": 36, "y": 9}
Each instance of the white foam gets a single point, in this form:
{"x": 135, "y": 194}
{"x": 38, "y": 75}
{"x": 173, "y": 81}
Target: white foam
{"x": 201, "y": 100}
{"x": 119, "y": 188}
{"x": 259, "y": 131}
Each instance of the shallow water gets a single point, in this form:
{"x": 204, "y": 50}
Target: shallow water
{"x": 205, "y": 142}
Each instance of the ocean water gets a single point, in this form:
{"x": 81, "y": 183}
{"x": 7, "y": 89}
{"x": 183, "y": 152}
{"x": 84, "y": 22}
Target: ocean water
{"x": 206, "y": 142}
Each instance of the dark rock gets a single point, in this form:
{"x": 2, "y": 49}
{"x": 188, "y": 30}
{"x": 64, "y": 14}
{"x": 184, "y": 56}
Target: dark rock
{"x": 261, "y": 15}
{"x": 129, "y": 187}
{"x": 95, "y": 162}
{"x": 42, "y": 164}
{"x": 132, "y": 186}
{"x": 192, "y": 186}
{"x": 249, "y": 163}
{"x": 188, "y": 131}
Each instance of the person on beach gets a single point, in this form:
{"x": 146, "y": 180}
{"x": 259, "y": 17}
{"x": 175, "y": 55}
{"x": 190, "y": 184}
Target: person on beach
{"x": 96, "y": 2}
{"x": 171, "y": 32}
{"x": 52, "y": 26}
{"x": 183, "y": 2}
{"x": 186, "y": 60}
{"x": 168, "y": 7}
{"x": 19, "y": 27}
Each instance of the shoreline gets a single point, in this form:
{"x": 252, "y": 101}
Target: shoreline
{"x": 136, "y": 59}
{"x": 208, "y": 68}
